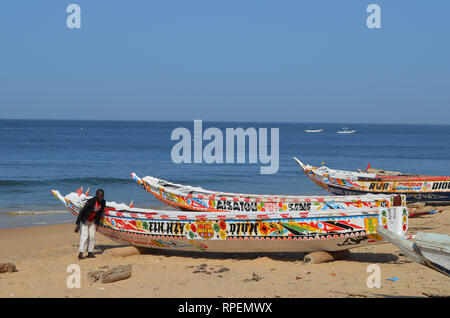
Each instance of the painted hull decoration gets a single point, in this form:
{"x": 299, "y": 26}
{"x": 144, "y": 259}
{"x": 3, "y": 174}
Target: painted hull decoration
{"x": 197, "y": 199}
{"x": 415, "y": 187}
{"x": 429, "y": 249}
{"x": 331, "y": 230}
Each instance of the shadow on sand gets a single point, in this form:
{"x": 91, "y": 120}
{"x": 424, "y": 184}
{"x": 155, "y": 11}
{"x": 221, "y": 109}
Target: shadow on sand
{"x": 276, "y": 256}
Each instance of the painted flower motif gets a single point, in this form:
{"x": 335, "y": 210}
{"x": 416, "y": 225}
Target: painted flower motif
{"x": 145, "y": 225}
{"x": 191, "y": 234}
{"x": 284, "y": 207}
{"x": 212, "y": 203}
{"x": 222, "y": 225}
{"x": 264, "y": 228}
{"x": 216, "y": 227}
{"x": 139, "y": 224}
{"x": 188, "y": 227}
{"x": 223, "y": 234}
{"x": 193, "y": 228}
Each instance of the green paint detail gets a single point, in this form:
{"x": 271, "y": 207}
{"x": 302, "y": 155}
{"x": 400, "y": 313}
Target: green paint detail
{"x": 294, "y": 227}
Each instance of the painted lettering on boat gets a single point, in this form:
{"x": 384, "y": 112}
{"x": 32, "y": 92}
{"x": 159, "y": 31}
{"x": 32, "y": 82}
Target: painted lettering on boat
{"x": 299, "y": 206}
{"x": 246, "y": 228}
{"x": 441, "y": 185}
{"x": 408, "y": 186}
{"x": 164, "y": 227}
{"x": 227, "y": 205}
{"x": 379, "y": 186}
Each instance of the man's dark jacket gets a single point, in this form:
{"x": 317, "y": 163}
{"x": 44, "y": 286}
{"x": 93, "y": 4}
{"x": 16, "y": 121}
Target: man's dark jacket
{"x": 88, "y": 208}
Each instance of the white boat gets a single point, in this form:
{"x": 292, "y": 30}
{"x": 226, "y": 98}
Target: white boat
{"x": 429, "y": 249}
{"x": 313, "y": 130}
{"x": 346, "y": 131}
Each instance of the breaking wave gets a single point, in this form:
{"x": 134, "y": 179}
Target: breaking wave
{"x": 18, "y": 213}
{"x": 58, "y": 181}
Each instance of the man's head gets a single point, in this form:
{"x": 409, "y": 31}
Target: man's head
{"x": 99, "y": 194}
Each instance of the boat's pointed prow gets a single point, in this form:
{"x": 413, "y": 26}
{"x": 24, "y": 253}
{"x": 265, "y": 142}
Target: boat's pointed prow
{"x": 58, "y": 196}
{"x": 300, "y": 163}
{"x": 136, "y": 178}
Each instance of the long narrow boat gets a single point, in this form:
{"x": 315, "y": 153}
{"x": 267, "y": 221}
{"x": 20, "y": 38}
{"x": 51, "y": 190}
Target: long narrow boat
{"x": 313, "y": 130}
{"x": 197, "y": 199}
{"x": 429, "y": 249}
{"x": 415, "y": 187}
{"x": 330, "y": 230}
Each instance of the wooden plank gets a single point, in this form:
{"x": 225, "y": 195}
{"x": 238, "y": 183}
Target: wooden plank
{"x": 116, "y": 273}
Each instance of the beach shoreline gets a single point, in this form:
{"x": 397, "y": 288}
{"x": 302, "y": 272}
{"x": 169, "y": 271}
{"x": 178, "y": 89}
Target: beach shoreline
{"x": 43, "y": 253}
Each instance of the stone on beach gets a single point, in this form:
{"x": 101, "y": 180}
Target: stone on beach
{"x": 122, "y": 251}
{"x": 323, "y": 257}
{"x": 7, "y": 268}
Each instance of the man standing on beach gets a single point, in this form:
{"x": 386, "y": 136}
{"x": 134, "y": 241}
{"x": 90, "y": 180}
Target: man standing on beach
{"x": 89, "y": 217}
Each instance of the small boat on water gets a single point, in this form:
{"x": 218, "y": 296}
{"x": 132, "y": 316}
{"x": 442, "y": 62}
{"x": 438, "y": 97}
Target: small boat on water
{"x": 429, "y": 249}
{"x": 189, "y": 198}
{"x": 330, "y": 230}
{"x": 415, "y": 187}
{"x": 346, "y": 131}
{"x": 313, "y": 130}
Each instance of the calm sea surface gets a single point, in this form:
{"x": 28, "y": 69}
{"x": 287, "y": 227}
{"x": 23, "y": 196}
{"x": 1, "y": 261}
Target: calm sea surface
{"x": 38, "y": 156}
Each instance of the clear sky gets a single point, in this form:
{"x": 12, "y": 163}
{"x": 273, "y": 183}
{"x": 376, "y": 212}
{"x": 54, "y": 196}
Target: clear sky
{"x": 230, "y": 60}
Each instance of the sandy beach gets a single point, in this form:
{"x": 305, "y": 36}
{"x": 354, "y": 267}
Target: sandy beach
{"x": 42, "y": 254}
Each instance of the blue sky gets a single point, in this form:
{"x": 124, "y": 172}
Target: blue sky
{"x": 247, "y": 60}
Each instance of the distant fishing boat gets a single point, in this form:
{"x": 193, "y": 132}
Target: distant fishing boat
{"x": 313, "y": 130}
{"x": 233, "y": 232}
{"x": 415, "y": 187}
{"x": 346, "y": 131}
{"x": 429, "y": 249}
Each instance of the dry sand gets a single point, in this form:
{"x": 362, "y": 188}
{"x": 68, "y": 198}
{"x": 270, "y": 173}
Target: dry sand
{"x": 42, "y": 255}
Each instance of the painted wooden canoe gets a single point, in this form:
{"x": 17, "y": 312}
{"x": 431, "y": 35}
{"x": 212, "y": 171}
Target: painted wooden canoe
{"x": 415, "y": 187}
{"x": 189, "y": 198}
{"x": 330, "y": 230}
{"x": 429, "y": 249}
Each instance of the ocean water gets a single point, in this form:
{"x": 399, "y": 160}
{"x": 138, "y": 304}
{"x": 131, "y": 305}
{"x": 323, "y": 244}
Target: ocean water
{"x": 37, "y": 156}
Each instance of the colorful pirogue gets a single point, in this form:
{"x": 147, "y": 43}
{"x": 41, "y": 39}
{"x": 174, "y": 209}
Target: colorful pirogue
{"x": 415, "y": 187}
{"x": 197, "y": 199}
{"x": 329, "y": 230}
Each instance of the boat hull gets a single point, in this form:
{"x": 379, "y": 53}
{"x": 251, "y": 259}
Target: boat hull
{"x": 237, "y": 232}
{"x": 423, "y": 189}
{"x": 183, "y": 198}
{"x": 429, "y": 249}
